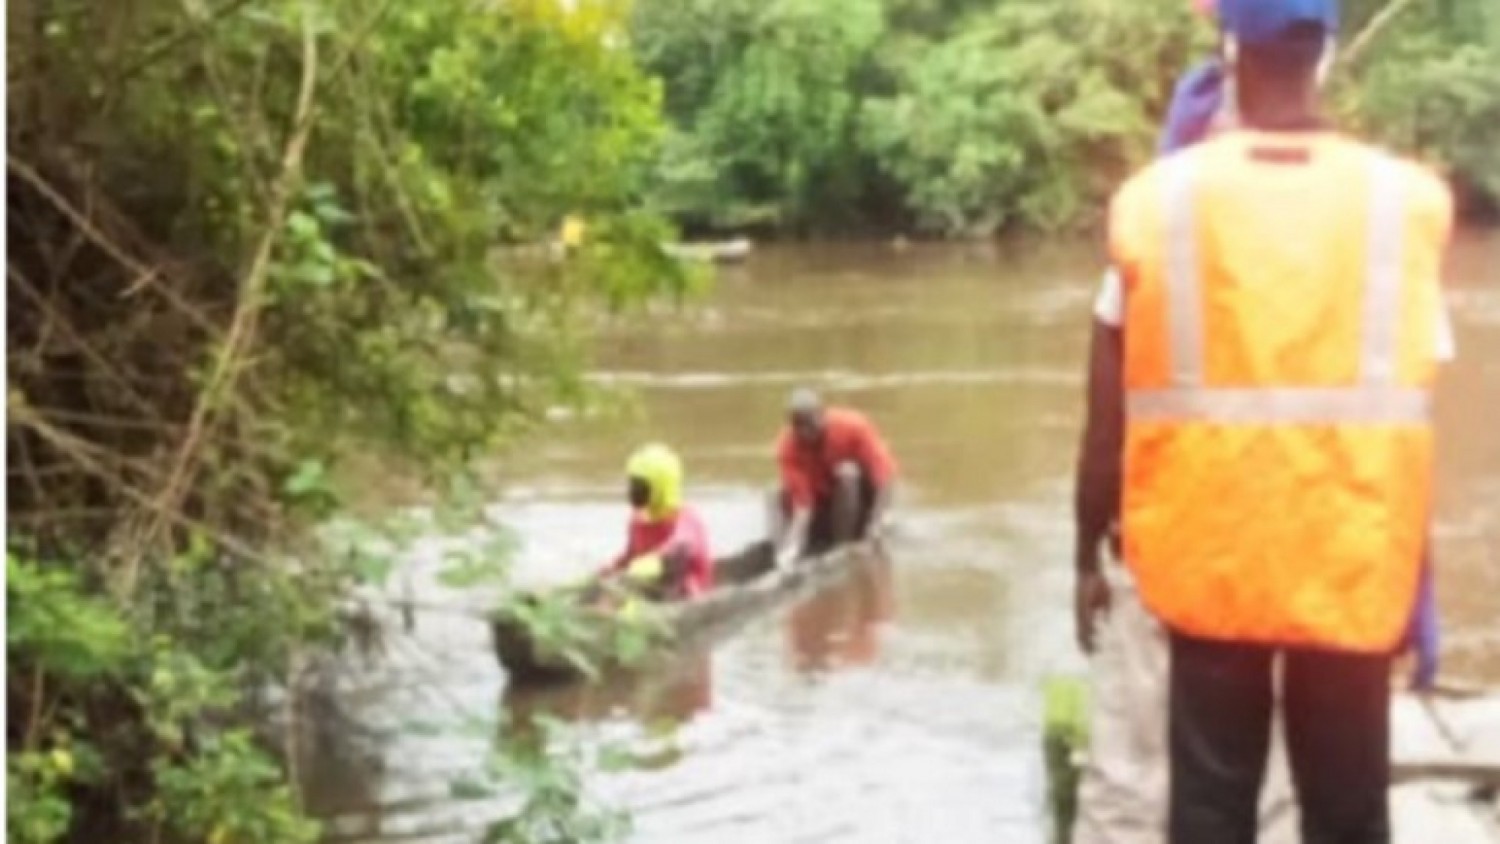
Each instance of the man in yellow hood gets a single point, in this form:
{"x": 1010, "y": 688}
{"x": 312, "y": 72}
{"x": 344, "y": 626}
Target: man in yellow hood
{"x": 666, "y": 547}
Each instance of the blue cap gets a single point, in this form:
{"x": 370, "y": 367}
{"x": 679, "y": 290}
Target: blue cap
{"x": 1262, "y": 21}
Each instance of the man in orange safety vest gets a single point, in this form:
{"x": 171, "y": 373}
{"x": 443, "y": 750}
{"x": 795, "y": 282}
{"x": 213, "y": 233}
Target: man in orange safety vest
{"x": 1259, "y": 421}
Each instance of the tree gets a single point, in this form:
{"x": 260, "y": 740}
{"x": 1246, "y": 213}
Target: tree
{"x": 249, "y": 239}
{"x": 764, "y": 97}
{"x": 1427, "y": 86}
{"x": 1028, "y": 114}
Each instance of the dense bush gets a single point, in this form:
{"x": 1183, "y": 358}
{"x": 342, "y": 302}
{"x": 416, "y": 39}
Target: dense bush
{"x": 1028, "y": 113}
{"x": 1431, "y": 85}
{"x": 764, "y": 97}
{"x": 967, "y": 116}
{"x": 249, "y": 239}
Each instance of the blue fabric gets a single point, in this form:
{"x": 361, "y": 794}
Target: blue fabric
{"x": 1197, "y": 98}
{"x": 1260, "y": 21}
{"x": 1422, "y": 635}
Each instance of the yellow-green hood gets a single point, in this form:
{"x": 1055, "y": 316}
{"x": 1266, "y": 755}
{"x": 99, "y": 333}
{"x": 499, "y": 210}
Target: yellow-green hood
{"x": 660, "y": 468}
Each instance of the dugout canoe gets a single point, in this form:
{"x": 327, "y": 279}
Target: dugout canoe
{"x": 719, "y": 252}
{"x": 745, "y": 584}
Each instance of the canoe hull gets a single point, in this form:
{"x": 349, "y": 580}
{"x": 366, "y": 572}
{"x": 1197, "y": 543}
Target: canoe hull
{"x": 746, "y": 584}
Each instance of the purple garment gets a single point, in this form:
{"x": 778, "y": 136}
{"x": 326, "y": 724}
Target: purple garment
{"x": 1422, "y": 634}
{"x": 1195, "y": 102}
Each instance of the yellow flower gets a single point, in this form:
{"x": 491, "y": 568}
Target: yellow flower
{"x": 62, "y": 760}
{"x": 572, "y": 231}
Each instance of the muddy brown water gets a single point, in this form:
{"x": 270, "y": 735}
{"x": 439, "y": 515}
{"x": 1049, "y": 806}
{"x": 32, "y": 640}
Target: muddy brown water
{"x": 902, "y": 705}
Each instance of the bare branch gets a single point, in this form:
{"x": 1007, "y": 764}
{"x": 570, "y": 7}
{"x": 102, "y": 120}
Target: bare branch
{"x": 82, "y": 453}
{"x": 1372, "y": 30}
{"x": 144, "y": 275}
{"x": 84, "y": 348}
{"x": 242, "y": 329}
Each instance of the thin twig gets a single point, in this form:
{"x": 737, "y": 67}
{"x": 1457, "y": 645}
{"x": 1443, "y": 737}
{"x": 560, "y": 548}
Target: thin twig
{"x": 144, "y": 275}
{"x": 84, "y": 347}
{"x": 291, "y": 747}
{"x": 44, "y": 517}
{"x": 28, "y": 469}
{"x": 1377, "y": 24}
{"x": 160, "y": 50}
{"x": 38, "y": 689}
{"x": 78, "y": 450}
{"x": 33, "y": 178}
{"x": 104, "y": 421}
{"x": 82, "y": 452}
{"x": 242, "y": 328}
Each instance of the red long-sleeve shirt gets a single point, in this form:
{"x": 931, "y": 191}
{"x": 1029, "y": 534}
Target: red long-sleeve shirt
{"x": 807, "y": 473}
{"x": 683, "y": 529}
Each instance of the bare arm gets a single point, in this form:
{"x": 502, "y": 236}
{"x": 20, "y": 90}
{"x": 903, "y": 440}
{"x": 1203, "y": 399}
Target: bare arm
{"x": 880, "y": 506}
{"x": 794, "y": 539}
{"x": 1097, "y": 495}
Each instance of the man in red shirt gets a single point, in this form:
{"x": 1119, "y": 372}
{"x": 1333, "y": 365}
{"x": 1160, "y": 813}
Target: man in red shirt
{"x": 666, "y": 550}
{"x": 836, "y": 477}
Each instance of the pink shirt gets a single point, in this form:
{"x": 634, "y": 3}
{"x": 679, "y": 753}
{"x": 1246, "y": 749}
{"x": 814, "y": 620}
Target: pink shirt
{"x": 683, "y": 529}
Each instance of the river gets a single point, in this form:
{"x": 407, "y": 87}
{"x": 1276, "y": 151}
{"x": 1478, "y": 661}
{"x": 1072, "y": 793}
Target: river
{"x": 902, "y": 706}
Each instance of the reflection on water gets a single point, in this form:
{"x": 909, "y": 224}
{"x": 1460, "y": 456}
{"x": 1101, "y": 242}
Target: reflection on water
{"x": 672, "y": 693}
{"x": 841, "y": 627}
{"x": 842, "y": 719}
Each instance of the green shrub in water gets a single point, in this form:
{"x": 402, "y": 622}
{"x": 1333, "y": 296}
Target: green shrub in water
{"x": 1064, "y": 740}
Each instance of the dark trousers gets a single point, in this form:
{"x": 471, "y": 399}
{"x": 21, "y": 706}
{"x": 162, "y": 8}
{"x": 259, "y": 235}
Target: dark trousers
{"x": 843, "y": 515}
{"x": 1336, "y": 710}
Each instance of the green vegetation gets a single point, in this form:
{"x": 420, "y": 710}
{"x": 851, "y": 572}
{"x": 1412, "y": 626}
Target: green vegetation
{"x": 587, "y": 639}
{"x": 1428, "y": 86}
{"x": 250, "y": 239}
{"x": 1065, "y": 739}
{"x": 764, "y": 98}
{"x": 1027, "y": 113}
{"x": 974, "y": 116}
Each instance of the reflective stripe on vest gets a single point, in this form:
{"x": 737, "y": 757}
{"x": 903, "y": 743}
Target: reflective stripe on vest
{"x": 1376, "y": 405}
{"x": 1277, "y": 471}
{"x": 1375, "y": 400}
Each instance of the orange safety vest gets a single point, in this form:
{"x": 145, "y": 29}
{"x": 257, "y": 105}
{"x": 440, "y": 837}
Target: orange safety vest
{"x": 1279, "y": 357}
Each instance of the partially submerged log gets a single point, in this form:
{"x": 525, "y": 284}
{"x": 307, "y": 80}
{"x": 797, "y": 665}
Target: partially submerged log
{"x": 720, "y": 252}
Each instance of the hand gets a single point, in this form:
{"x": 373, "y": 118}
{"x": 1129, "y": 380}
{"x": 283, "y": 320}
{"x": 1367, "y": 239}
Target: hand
{"x": 785, "y": 558}
{"x": 1090, "y": 601}
{"x": 647, "y": 568}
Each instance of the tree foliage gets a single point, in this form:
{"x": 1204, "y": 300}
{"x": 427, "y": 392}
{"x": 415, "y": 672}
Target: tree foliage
{"x": 968, "y": 116}
{"x": 1027, "y": 114}
{"x": 765, "y": 100}
{"x": 249, "y": 238}
{"x": 1429, "y": 86}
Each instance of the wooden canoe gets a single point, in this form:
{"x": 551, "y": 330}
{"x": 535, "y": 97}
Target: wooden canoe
{"x": 745, "y": 584}
{"x": 721, "y": 252}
